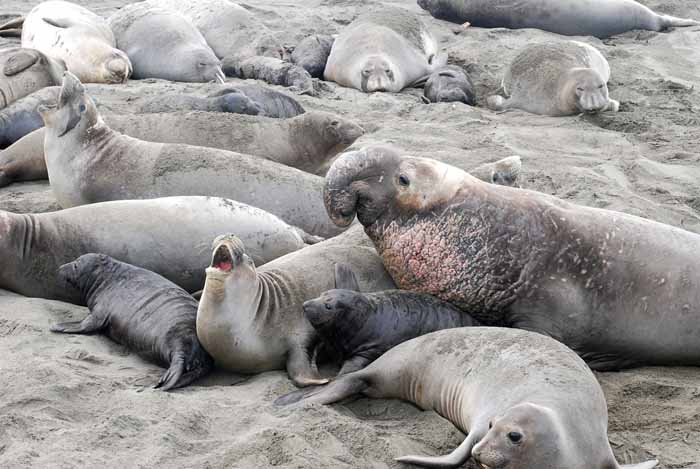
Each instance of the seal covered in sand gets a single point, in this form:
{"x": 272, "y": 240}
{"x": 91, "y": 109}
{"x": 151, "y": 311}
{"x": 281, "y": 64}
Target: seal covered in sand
{"x": 142, "y": 311}
{"x": 600, "y": 18}
{"x": 164, "y": 44}
{"x": 251, "y": 320}
{"x": 24, "y": 71}
{"x": 525, "y": 400}
{"x": 82, "y": 39}
{"x": 384, "y": 50}
{"x": 557, "y": 79}
{"x": 449, "y": 84}
{"x": 618, "y": 289}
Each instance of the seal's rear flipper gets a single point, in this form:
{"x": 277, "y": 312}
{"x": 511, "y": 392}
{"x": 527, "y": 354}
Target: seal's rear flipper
{"x": 336, "y": 391}
{"x": 455, "y": 459}
{"x": 12, "y": 28}
{"x": 674, "y": 22}
{"x": 642, "y": 465}
{"x": 86, "y": 326}
{"x": 345, "y": 278}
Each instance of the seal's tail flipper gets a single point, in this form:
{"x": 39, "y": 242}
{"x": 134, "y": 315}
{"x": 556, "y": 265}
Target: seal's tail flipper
{"x": 643, "y": 465}
{"x": 12, "y": 28}
{"x": 345, "y": 278}
{"x": 674, "y": 22}
{"x": 455, "y": 459}
{"x": 336, "y": 391}
{"x": 86, "y": 326}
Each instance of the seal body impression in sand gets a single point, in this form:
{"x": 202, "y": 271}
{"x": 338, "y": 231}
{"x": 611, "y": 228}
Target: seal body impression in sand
{"x": 82, "y": 39}
{"x": 557, "y": 79}
{"x": 600, "y": 18}
{"x": 24, "y": 71}
{"x": 618, "y": 289}
{"x": 141, "y": 310}
{"x": 492, "y": 385}
{"x": 385, "y": 50}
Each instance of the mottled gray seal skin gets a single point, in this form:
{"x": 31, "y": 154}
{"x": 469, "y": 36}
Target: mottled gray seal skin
{"x": 525, "y": 400}
{"x": 22, "y": 117}
{"x": 162, "y": 43}
{"x": 270, "y": 70}
{"x": 362, "y": 326}
{"x": 251, "y": 320}
{"x": 170, "y": 236}
{"x": 557, "y": 79}
{"x": 24, "y": 71}
{"x": 232, "y": 101}
{"x": 600, "y": 18}
{"x": 449, "y": 84}
{"x": 312, "y": 54}
{"x": 617, "y": 289}
{"x": 142, "y": 311}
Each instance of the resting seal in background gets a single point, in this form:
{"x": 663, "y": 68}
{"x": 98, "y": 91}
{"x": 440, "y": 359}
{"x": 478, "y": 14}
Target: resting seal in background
{"x": 24, "y": 71}
{"x": 142, "y": 311}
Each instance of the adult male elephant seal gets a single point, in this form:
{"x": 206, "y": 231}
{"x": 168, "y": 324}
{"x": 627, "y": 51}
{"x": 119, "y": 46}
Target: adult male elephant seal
{"x": 250, "y": 320}
{"x": 525, "y": 400}
{"x": 170, "y": 236}
{"x": 600, "y": 18}
{"x": 22, "y": 117}
{"x": 557, "y": 79}
{"x": 82, "y": 39}
{"x": 24, "y": 71}
{"x": 360, "y": 327}
{"x": 385, "y": 50}
{"x": 618, "y": 289}
{"x": 88, "y": 162}
{"x": 141, "y": 310}
{"x": 164, "y": 44}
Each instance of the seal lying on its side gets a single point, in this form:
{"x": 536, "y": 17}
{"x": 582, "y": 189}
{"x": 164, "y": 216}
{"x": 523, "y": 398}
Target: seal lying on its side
{"x": 312, "y": 54}
{"x": 273, "y": 103}
{"x": 600, "y": 18}
{"x": 142, "y": 311}
{"x": 525, "y": 400}
{"x": 557, "y": 79}
{"x": 618, "y": 289}
{"x": 362, "y": 326}
{"x": 449, "y": 84}
{"x": 24, "y": 71}
{"x": 270, "y": 70}
{"x": 22, "y": 117}
{"x": 251, "y": 320}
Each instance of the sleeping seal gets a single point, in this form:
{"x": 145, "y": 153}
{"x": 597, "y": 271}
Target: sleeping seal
{"x": 142, "y": 311}
{"x": 449, "y": 84}
{"x": 24, "y": 71}
{"x": 524, "y": 400}
{"x": 312, "y": 53}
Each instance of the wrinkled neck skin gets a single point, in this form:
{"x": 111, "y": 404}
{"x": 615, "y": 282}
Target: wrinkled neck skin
{"x": 225, "y": 296}
{"x": 93, "y": 284}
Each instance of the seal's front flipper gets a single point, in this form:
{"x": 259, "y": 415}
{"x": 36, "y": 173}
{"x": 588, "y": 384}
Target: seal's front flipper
{"x": 5, "y": 180}
{"x": 497, "y": 103}
{"x": 642, "y": 465}
{"x": 336, "y": 391}
{"x": 88, "y": 325}
{"x": 19, "y": 62}
{"x": 356, "y": 363}
{"x": 300, "y": 370}
{"x": 613, "y": 106}
{"x": 455, "y": 459}
{"x": 345, "y": 278}
{"x": 171, "y": 378}
{"x": 12, "y": 28}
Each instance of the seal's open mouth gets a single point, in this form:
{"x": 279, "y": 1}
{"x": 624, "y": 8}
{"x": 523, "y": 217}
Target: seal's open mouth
{"x": 222, "y": 259}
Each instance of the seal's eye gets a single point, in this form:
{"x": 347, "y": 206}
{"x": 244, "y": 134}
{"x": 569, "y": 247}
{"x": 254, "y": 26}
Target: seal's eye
{"x": 328, "y": 306}
{"x": 404, "y": 181}
{"x": 579, "y": 89}
{"x": 81, "y": 108}
{"x": 600, "y": 87}
{"x": 515, "y": 437}
{"x": 490, "y": 425}
{"x": 335, "y": 123}
{"x": 366, "y": 73}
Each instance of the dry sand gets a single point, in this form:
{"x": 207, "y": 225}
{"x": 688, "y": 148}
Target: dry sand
{"x": 74, "y": 401}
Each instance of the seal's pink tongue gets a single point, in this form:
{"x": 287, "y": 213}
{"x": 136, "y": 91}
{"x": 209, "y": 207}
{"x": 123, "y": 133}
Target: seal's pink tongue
{"x": 225, "y": 266}
{"x": 222, "y": 259}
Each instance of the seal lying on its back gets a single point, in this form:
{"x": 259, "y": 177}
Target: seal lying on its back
{"x": 385, "y": 50}
{"x": 449, "y": 84}
{"x": 142, "y": 311}
{"x": 170, "y": 236}
{"x": 250, "y": 320}
{"x": 22, "y": 117}
{"x": 164, "y": 44}
{"x": 557, "y": 79}
{"x": 24, "y": 71}
{"x": 312, "y": 54}
{"x": 600, "y": 18}
{"x": 525, "y": 400}
{"x": 82, "y": 39}
{"x": 618, "y": 289}
{"x": 362, "y": 326}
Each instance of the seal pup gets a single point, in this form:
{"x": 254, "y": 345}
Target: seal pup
{"x": 169, "y": 236}
{"x": 164, "y": 44}
{"x": 600, "y": 18}
{"x": 362, "y": 326}
{"x": 142, "y": 311}
{"x": 270, "y": 70}
{"x": 273, "y": 102}
{"x": 250, "y": 319}
{"x": 385, "y": 50}
{"x": 617, "y": 289}
{"x": 232, "y": 101}
{"x": 524, "y": 400}
{"x": 449, "y": 84}
{"x": 312, "y": 53}
{"x": 82, "y": 39}
{"x": 24, "y": 71}
{"x": 22, "y": 117}
{"x": 557, "y": 79}
{"x": 88, "y": 162}
{"x": 504, "y": 172}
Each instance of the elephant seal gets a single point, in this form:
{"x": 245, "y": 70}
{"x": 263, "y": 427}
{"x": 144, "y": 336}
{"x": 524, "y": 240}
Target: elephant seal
{"x": 385, "y": 50}
{"x": 164, "y": 44}
{"x": 504, "y": 172}
{"x": 88, "y": 162}
{"x": 449, "y": 84}
{"x": 22, "y": 117}
{"x": 362, "y": 326}
{"x": 24, "y": 71}
{"x": 23, "y": 160}
{"x": 525, "y": 400}
{"x": 228, "y": 28}
{"x": 617, "y": 289}
{"x": 82, "y": 39}
{"x": 312, "y": 54}
{"x": 557, "y": 79}
{"x": 273, "y": 103}
{"x": 270, "y": 70}
{"x": 142, "y": 311}
{"x": 250, "y": 319}
{"x": 169, "y": 236}
{"x": 600, "y": 18}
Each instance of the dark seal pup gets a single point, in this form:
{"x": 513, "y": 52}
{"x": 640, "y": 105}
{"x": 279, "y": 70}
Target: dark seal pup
{"x": 21, "y": 117}
{"x": 448, "y": 85}
{"x": 142, "y": 311}
{"x": 312, "y": 54}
